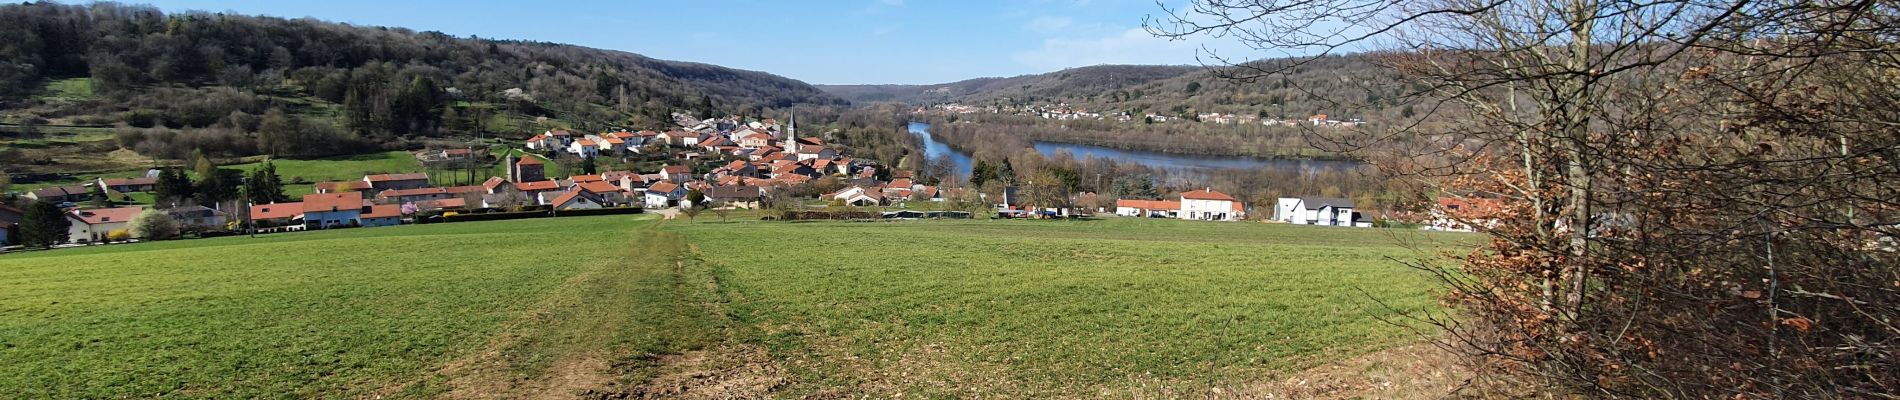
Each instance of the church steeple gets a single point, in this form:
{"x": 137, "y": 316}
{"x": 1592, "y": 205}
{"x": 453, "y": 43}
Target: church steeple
{"x": 791, "y": 134}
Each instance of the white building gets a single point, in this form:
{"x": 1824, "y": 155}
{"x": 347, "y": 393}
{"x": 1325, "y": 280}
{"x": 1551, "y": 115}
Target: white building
{"x": 1209, "y": 205}
{"x": 1318, "y": 211}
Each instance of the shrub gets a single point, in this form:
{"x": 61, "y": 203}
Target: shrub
{"x": 153, "y": 224}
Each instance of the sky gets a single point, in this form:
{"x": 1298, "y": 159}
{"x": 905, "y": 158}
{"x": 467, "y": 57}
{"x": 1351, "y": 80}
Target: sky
{"x": 819, "y": 42}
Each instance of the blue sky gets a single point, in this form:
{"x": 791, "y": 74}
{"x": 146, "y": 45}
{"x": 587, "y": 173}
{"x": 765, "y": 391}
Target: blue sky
{"x": 821, "y": 42}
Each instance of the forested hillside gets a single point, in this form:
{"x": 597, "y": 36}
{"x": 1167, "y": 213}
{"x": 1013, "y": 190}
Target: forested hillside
{"x": 236, "y": 85}
{"x": 1073, "y": 82}
{"x": 1343, "y": 87}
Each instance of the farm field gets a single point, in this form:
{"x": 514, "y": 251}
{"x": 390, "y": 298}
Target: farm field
{"x": 631, "y": 305}
{"x": 332, "y": 314}
{"x": 1122, "y": 307}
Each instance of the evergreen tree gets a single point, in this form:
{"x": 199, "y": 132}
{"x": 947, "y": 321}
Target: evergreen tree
{"x": 981, "y": 172}
{"x": 218, "y": 186}
{"x": 44, "y": 225}
{"x": 1006, "y": 173}
{"x": 172, "y": 187}
{"x": 264, "y": 186}
{"x": 588, "y": 166}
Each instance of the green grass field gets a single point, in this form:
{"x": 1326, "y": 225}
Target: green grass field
{"x": 1024, "y": 309}
{"x": 633, "y": 305}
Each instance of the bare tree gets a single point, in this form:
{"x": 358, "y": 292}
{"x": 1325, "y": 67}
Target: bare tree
{"x": 1696, "y": 199}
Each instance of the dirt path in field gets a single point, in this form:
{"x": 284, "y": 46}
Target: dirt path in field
{"x": 573, "y": 342}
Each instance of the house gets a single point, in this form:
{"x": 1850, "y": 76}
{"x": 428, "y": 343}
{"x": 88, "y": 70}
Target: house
{"x": 496, "y": 184}
{"x": 677, "y": 173}
{"x": 535, "y": 188}
{"x": 1209, "y": 205}
{"x": 1464, "y": 214}
{"x": 381, "y": 215}
{"x": 10, "y": 219}
{"x": 858, "y": 196}
{"x": 61, "y": 194}
{"x": 333, "y": 210}
{"x": 277, "y": 216}
{"x": 381, "y": 182}
{"x": 755, "y": 140}
{"x": 443, "y": 204}
{"x": 603, "y": 192}
{"x": 680, "y": 138}
{"x": 813, "y": 152}
{"x": 1315, "y": 211}
{"x": 735, "y": 196}
{"x": 544, "y": 142}
{"x": 92, "y": 226}
{"x": 584, "y": 148}
{"x": 342, "y": 186}
{"x": 400, "y": 196}
{"x": 1148, "y": 208}
{"x": 662, "y": 194}
{"x": 434, "y": 155}
{"x": 612, "y": 145}
{"x": 575, "y": 199}
{"x": 128, "y": 185}
{"x": 198, "y": 217}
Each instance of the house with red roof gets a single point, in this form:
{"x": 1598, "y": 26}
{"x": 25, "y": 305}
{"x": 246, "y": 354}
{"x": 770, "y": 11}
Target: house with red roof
{"x": 381, "y": 215}
{"x": 1148, "y": 208}
{"x": 575, "y": 199}
{"x": 92, "y": 226}
{"x": 277, "y": 217}
{"x": 333, "y": 210}
{"x": 584, "y": 148}
{"x": 662, "y": 194}
{"x": 677, "y": 173}
{"x": 535, "y": 188}
{"x": 1209, "y": 205}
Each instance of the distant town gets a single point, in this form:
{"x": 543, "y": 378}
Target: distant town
{"x": 726, "y": 163}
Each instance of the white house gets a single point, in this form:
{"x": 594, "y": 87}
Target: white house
{"x": 659, "y": 194}
{"x": 575, "y": 199}
{"x": 94, "y": 225}
{"x": 584, "y": 148}
{"x": 859, "y": 196}
{"x": 1209, "y": 205}
{"x": 1148, "y": 208}
{"x": 1317, "y": 211}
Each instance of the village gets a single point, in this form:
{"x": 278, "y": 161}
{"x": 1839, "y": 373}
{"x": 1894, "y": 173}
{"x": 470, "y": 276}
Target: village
{"x": 721, "y": 163}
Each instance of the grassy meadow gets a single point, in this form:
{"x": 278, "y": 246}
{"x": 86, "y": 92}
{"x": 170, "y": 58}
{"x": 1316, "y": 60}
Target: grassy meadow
{"x": 1117, "y": 307}
{"x": 631, "y": 305}
{"x": 334, "y": 314}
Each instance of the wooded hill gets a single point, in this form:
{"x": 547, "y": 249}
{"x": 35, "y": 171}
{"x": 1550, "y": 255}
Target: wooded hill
{"x": 196, "y": 71}
{"x": 1072, "y": 82}
{"x": 1314, "y": 86}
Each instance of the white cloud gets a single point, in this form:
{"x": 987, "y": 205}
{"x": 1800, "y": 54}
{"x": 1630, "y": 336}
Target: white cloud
{"x": 1049, "y": 24}
{"x": 1132, "y": 46}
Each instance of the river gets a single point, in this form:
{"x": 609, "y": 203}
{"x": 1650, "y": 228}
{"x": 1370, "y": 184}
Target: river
{"x": 1152, "y": 159}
